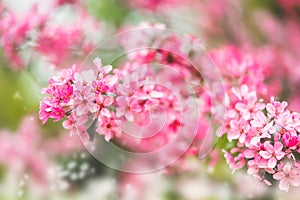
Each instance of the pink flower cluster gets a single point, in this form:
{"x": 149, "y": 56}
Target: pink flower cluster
{"x": 281, "y": 54}
{"x": 129, "y": 101}
{"x": 141, "y": 100}
{"x": 238, "y": 68}
{"x": 36, "y": 32}
{"x": 21, "y": 150}
{"x": 111, "y": 100}
{"x": 82, "y": 96}
{"x": 264, "y": 138}
{"x": 14, "y": 31}
{"x": 132, "y": 96}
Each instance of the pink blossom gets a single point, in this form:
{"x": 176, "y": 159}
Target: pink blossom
{"x": 35, "y": 33}
{"x": 106, "y": 84}
{"x": 275, "y": 108}
{"x": 271, "y": 138}
{"x": 21, "y": 151}
{"x": 50, "y": 110}
{"x": 45, "y": 109}
{"x": 253, "y": 166}
{"x": 290, "y": 139}
{"x": 124, "y": 108}
{"x": 108, "y": 126}
{"x": 249, "y": 108}
{"x": 238, "y": 129}
{"x": 243, "y": 93}
{"x": 84, "y": 101}
{"x": 73, "y": 94}
{"x": 290, "y": 175}
{"x": 285, "y": 120}
{"x": 99, "y": 68}
{"x": 266, "y": 134}
{"x": 14, "y": 30}
{"x": 272, "y": 153}
{"x": 69, "y": 124}
{"x": 262, "y": 123}
{"x": 234, "y": 163}
{"x": 56, "y": 42}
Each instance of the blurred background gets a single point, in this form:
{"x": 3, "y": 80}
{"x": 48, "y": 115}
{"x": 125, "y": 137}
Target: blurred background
{"x": 39, "y": 38}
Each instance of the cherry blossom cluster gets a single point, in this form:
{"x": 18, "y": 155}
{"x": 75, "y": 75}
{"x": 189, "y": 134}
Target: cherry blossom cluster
{"x": 129, "y": 94}
{"x": 82, "y": 96}
{"x": 281, "y": 56}
{"x": 39, "y": 32}
{"x": 238, "y": 68}
{"x": 264, "y": 138}
{"x": 25, "y": 154}
{"x": 142, "y": 98}
{"x": 133, "y": 95}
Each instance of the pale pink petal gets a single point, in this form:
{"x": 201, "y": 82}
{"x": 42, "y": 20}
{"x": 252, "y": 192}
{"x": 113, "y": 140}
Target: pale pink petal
{"x": 234, "y": 124}
{"x": 105, "y": 112}
{"x": 256, "y": 123}
{"x": 107, "y": 69}
{"x": 81, "y": 110}
{"x": 255, "y": 140}
{"x": 242, "y": 138}
{"x": 278, "y": 147}
{"x": 272, "y": 162}
{"x": 232, "y": 135}
{"x": 249, "y": 153}
{"x": 108, "y": 101}
{"x": 98, "y": 63}
{"x": 129, "y": 116}
{"x": 120, "y": 112}
{"x": 259, "y": 106}
{"x": 295, "y": 181}
{"x": 271, "y": 109}
{"x": 252, "y": 171}
{"x": 287, "y": 168}
{"x": 241, "y": 107}
{"x": 81, "y": 119}
{"x": 142, "y": 119}
{"x": 284, "y": 184}
{"x": 268, "y": 183}
{"x": 280, "y": 155}
{"x": 261, "y": 117}
{"x": 268, "y": 147}
{"x": 267, "y": 127}
{"x": 279, "y": 175}
{"x": 237, "y": 94}
{"x": 283, "y": 105}
{"x": 265, "y": 154}
{"x": 244, "y": 90}
{"x": 92, "y": 107}
{"x": 67, "y": 124}
{"x": 108, "y": 136}
{"x": 112, "y": 80}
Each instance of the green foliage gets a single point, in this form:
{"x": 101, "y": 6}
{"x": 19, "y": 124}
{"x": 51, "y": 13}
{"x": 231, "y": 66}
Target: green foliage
{"x": 19, "y": 94}
{"x": 171, "y": 195}
{"x": 112, "y": 11}
{"x": 270, "y": 5}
